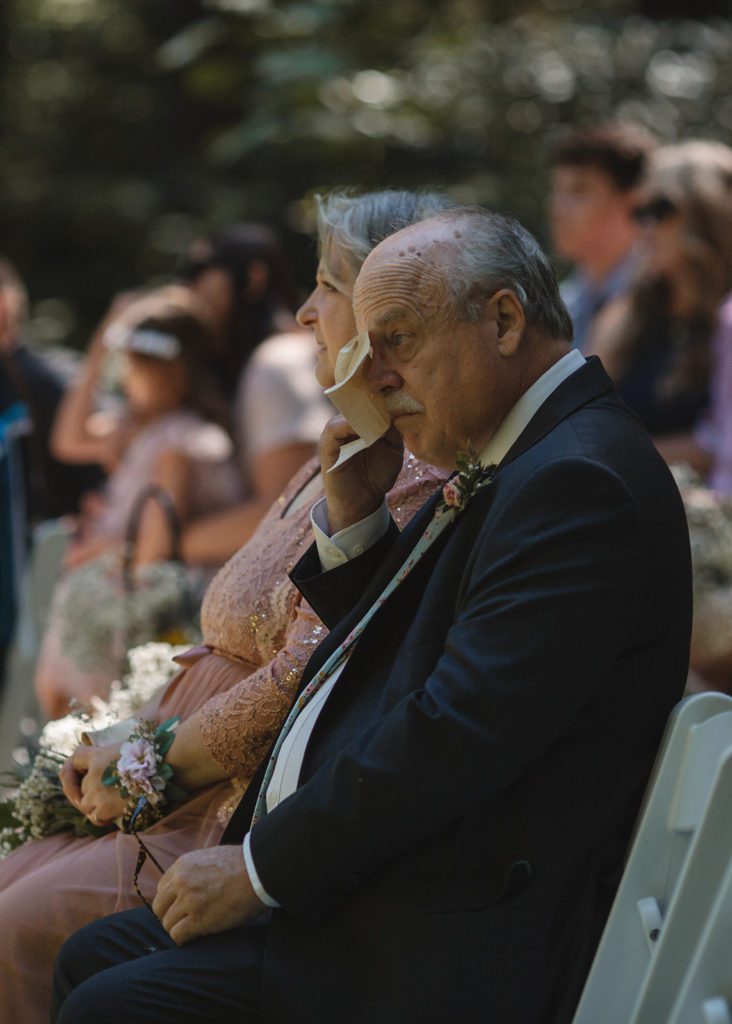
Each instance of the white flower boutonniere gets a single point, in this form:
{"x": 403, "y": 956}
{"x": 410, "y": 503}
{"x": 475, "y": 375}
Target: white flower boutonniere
{"x": 469, "y": 479}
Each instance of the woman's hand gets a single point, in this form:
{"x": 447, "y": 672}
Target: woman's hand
{"x": 81, "y": 779}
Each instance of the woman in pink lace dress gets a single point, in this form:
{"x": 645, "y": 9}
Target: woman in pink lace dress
{"x": 233, "y": 694}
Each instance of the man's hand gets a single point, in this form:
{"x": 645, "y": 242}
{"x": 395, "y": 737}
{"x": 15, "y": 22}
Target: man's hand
{"x": 205, "y": 892}
{"x": 81, "y": 779}
{"x": 357, "y": 488}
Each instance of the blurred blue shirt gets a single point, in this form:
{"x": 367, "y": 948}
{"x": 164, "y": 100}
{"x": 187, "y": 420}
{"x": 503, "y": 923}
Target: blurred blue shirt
{"x": 584, "y": 298}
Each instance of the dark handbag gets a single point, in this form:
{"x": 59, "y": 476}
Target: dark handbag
{"x": 177, "y": 624}
{"x": 105, "y": 608}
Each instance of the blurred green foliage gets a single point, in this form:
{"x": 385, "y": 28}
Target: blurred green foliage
{"x": 130, "y": 126}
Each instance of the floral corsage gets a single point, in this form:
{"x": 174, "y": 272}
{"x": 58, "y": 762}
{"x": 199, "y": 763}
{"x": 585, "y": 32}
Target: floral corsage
{"x": 141, "y": 771}
{"x": 469, "y": 479}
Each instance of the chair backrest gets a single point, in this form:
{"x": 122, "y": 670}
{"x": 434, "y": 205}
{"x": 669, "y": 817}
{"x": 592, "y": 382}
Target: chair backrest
{"x": 697, "y": 737}
{"x": 690, "y": 980}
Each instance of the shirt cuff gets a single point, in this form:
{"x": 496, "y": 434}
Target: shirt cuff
{"x": 259, "y": 889}
{"x": 348, "y": 543}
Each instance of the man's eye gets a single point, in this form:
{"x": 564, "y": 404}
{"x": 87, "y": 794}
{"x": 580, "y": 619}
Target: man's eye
{"x": 398, "y": 339}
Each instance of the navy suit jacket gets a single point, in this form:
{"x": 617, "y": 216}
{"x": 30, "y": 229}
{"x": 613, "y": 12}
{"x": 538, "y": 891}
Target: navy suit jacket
{"x": 469, "y": 789}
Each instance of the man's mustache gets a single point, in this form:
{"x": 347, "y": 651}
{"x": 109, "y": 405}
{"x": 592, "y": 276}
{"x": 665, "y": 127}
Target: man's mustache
{"x": 398, "y": 402}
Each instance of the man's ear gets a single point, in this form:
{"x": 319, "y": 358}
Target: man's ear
{"x": 507, "y": 313}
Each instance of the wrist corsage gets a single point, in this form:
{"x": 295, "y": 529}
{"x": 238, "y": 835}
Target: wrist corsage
{"x": 141, "y": 771}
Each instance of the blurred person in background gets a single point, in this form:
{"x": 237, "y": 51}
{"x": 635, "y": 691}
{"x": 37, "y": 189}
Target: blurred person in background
{"x": 232, "y": 694}
{"x": 266, "y": 365}
{"x": 33, "y": 484}
{"x": 668, "y": 343}
{"x": 711, "y": 444}
{"x": 670, "y": 347}
{"x": 171, "y": 432}
{"x": 596, "y": 172}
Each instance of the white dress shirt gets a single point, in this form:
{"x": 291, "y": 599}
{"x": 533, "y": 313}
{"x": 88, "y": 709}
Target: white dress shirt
{"x": 353, "y": 541}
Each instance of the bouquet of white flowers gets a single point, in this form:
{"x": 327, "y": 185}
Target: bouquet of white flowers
{"x": 101, "y": 618}
{"x": 36, "y": 806}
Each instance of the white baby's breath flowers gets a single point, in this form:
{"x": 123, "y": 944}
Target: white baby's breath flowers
{"x": 150, "y": 668}
{"x": 100, "y": 621}
{"x": 38, "y": 797}
{"x": 37, "y": 806}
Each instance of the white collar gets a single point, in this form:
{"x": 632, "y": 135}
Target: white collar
{"x": 528, "y": 404}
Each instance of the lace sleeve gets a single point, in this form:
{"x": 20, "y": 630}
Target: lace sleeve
{"x": 238, "y": 726}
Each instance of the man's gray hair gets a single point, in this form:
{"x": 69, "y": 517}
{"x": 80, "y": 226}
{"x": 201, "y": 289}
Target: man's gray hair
{"x": 493, "y": 252}
{"x": 354, "y": 224}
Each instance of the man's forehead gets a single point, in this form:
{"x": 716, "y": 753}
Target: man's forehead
{"x": 393, "y": 314}
{"x": 409, "y": 260}
{"x": 583, "y": 176}
{"x": 428, "y": 241}
{"x": 392, "y": 290}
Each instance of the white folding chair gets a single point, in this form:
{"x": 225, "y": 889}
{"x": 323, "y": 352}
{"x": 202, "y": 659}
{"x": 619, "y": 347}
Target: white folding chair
{"x": 691, "y": 974}
{"x": 697, "y": 737}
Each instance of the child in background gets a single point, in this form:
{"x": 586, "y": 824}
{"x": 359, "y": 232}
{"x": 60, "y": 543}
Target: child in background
{"x": 171, "y": 432}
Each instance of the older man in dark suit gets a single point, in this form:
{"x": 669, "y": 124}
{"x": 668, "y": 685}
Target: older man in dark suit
{"x": 441, "y": 824}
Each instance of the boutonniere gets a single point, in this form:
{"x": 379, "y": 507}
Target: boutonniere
{"x": 469, "y": 479}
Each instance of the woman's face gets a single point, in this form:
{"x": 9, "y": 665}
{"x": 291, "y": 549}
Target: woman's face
{"x": 215, "y": 289}
{"x": 661, "y": 241}
{"x": 154, "y": 386}
{"x": 329, "y": 314}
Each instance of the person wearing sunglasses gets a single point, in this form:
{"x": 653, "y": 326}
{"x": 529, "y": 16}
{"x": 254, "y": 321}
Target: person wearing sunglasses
{"x": 234, "y": 693}
{"x": 665, "y": 343}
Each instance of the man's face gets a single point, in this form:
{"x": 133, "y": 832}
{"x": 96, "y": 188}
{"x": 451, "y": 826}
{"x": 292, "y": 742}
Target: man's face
{"x": 422, "y": 354}
{"x": 585, "y": 208}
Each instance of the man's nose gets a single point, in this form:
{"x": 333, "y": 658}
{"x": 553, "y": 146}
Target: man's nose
{"x": 380, "y": 375}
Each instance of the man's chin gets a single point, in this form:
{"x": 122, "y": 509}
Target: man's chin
{"x": 422, "y": 450}
{"x": 402, "y": 425}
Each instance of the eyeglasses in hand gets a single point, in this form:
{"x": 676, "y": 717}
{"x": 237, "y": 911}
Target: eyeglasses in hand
{"x": 143, "y": 855}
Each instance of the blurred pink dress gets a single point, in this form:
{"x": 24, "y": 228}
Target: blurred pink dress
{"x": 214, "y": 484}
{"x": 261, "y": 634}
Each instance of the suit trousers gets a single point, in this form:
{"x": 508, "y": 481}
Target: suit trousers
{"x": 126, "y": 968}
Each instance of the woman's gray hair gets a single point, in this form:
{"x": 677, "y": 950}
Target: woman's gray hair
{"x": 496, "y": 252}
{"x": 351, "y": 225}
